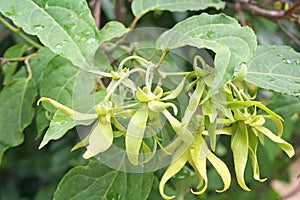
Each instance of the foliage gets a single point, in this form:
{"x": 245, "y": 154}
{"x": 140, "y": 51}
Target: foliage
{"x": 154, "y": 111}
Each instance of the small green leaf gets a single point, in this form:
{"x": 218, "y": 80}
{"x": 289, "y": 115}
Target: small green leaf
{"x": 112, "y": 30}
{"x": 135, "y": 134}
{"x": 232, "y": 43}
{"x": 239, "y": 146}
{"x": 16, "y": 111}
{"x": 275, "y": 68}
{"x": 141, "y": 7}
{"x": 66, "y": 27}
{"x": 59, "y": 126}
{"x": 15, "y": 51}
{"x": 97, "y": 181}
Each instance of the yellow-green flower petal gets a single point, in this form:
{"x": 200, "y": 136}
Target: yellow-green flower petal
{"x": 101, "y": 138}
{"x": 253, "y": 142}
{"x": 239, "y": 146}
{"x": 68, "y": 111}
{"x": 135, "y": 133}
{"x": 180, "y": 158}
{"x": 222, "y": 170}
{"x": 174, "y": 93}
{"x": 158, "y": 106}
{"x": 286, "y": 147}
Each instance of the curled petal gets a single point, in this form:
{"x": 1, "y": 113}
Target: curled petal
{"x": 253, "y": 142}
{"x": 286, "y": 147}
{"x": 178, "y": 162}
{"x": 222, "y": 170}
{"x": 158, "y": 106}
{"x": 101, "y": 138}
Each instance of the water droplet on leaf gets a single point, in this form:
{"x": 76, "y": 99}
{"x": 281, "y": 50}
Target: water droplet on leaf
{"x": 38, "y": 27}
{"x": 91, "y": 40}
{"x": 210, "y": 34}
{"x": 61, "y": 44}
{"x": 272, "y": 79}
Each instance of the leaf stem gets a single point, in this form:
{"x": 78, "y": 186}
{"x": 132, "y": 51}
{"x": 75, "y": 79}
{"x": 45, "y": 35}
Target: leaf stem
{"x": 133, "y": 23}
{"x": 165, "y": 53}
{"x": 19, "y": 33}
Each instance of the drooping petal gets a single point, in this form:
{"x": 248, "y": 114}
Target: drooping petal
{"x": 158, "y": 106}
{"x": 178, "y": 162}
{"x": 135, "y": 133}
{"x": 199, "y": 151}
{"x": 222, "y": 170}
{"x": 174, "y": 93}
{"x": 286, "y": 147}
{"x": 101, "y": 138}
{"x": 253, "y": 142}
{"x": 239, "y": 146}
{"x": 68, "y": 111}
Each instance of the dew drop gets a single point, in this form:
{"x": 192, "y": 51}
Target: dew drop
{"x": 271, "y": 79}
{"x": 210, "y": 34}
{"x": 297, "y": 82}
{"x": 297, "y": 92}
{"x": 38, "y": 27}
{"x": 286, "y": 61}
{"x": 46, "y": 5}
{"x": 61, "y": 44}
{"x": 12, "y": 12}
{"x": 297, "y": 62}
{"x": 91, "y": 40}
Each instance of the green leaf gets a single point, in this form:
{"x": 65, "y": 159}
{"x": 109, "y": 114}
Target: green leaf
{"x": 15, "y": 51}
{"x": 66, "y": 27}
{"x": 16, "y": 112}
{"x": 285, "y": 106}
{"x": 96, "y": 181}
{"x": 232, "y": 43}
{"x": 141, "y": 7}
{"x": 275, "y": 68}
{"x": 59, "y": 126}
{"x": 112, "y": 30}
{"x": 58, "y": 82}
{"x": 40, "y": 62}
{"x": 42, "y": 121}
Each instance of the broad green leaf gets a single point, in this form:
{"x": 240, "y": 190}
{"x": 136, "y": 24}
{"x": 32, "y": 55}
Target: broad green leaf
{"x": 239, "y": 146}
{"x": 112, "y": 30}
{"x": 42, "y": 121}
{"x": 275, "y": 68}
{"x": 40, "y": 63}
{"x": 15, "y": 51}
{"x": 135, "y": 134}
{"x": 232, "y": 43}
{"x": 141, "y": 7}
{"x": 58, "y": 82}
{"x": 59, "y": 126}
{"x": 97, "y": 181}
{"x": 16, "y": 111}
{"x": 66, "y": 27}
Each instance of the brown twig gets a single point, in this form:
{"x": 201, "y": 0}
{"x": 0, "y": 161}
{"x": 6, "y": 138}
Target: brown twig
{"x": 95, "y": 5}
{"x": 241, "y": 14}
{"x": 5, "y": 34}
{"x": 120, "y": 10}
{"x": 290, "y": 35}
{"x": 273, "y": 15}
{"x": 293, "y": 8}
